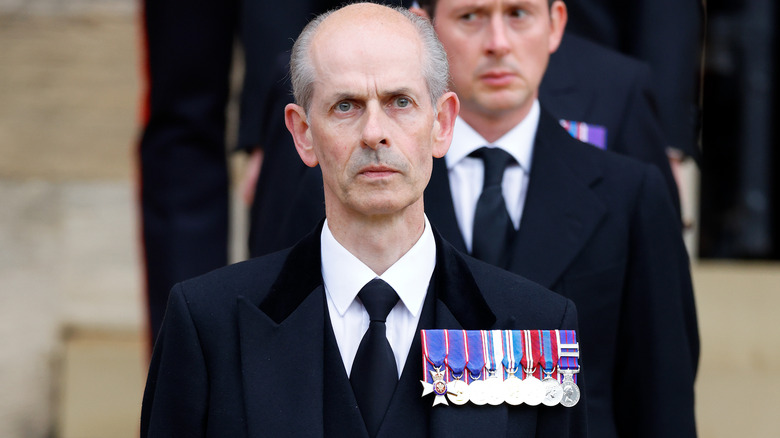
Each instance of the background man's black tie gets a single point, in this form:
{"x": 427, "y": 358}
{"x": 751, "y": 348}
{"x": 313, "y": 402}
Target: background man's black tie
{"x": 374, "y": 374}
{"x": 492, "y": 224}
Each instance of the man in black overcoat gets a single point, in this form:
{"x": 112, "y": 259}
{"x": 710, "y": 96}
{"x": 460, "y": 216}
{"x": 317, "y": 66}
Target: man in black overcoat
{"x": 272, "y": 346}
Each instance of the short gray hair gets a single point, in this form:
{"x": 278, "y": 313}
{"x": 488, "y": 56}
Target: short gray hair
{"x": 435, "y": 66}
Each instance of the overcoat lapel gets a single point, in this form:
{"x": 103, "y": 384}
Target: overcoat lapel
{"x": 282, "y": 340}
{"x": 290, "y": 352}
{"x": 561, "y": 210}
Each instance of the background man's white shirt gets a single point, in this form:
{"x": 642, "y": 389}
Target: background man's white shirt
{"x": 466, "y": 173}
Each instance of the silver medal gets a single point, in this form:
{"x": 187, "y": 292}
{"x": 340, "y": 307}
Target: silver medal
{"x": 553, "y": 392}
{"x": 495, "y": 390}
{"x": 571, "y": 393}
{"x": 514, "y": 393}
{"x": 534, "y": 390}
{"x": 478, "y": 392}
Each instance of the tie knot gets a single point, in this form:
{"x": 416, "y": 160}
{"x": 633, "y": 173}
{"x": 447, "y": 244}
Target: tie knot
{"x": 378, "y": 298}
{"x": 496, "y": 160}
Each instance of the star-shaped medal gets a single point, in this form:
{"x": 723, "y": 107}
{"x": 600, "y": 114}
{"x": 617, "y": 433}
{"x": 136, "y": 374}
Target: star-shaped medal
{"x": 439, "y": 387}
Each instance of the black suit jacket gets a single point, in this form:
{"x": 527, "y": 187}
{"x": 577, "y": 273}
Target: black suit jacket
{"x": 589, "y": 83}
{"x": 667, "y": 34}
{"x": 600, "y": 229}
{"x": 242, "y": 350}
{"x": 183, "y": 171}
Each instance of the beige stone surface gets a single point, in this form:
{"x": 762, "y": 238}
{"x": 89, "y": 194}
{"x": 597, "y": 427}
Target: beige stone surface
{"x": 738, "y": 306}
{"x": 29, "y": 222}
{"x": 100, "y": 268}
{"x": 102, "y": 385}
{"x": 68, "y": 263}
{"x": 69, "y": 95}
{"x": 68, "y": 248}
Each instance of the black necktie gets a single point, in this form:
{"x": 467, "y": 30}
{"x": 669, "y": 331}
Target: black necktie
{"x": 374, "y": 374}
{"x": 492, "y": 224}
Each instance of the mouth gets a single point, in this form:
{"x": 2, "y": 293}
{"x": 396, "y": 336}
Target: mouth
{"x": 377, "y": 172}
{"x": 498, "y": 78}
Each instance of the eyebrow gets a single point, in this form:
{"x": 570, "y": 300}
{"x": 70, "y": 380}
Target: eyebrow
{"x": 338, "y": 97}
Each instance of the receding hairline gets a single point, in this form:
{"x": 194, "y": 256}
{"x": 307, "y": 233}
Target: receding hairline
{"x": 402, "y": 30}
{"x": 420, "y": 35}
{"x": 360, "y": 15}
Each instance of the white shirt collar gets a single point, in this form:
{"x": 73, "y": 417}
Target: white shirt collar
{"x": 518, "y": 141}
{"x": 409, "y": 276}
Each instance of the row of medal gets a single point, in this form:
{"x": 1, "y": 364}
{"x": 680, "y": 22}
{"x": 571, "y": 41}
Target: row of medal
{"x": 501, "y": 366}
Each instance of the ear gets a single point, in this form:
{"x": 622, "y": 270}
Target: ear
{"x": 558, "y": 18}
{"x": 416, "y": 10}
{"x": 295, "y": 119}
{"x": 448, "y": 106}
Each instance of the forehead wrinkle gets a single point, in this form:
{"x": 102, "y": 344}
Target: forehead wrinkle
{"x": 361, "y": 48}
{"x": 358, "y": 76}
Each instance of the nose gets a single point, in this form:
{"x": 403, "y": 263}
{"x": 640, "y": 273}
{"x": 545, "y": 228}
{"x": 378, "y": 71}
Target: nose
{"x": 373, "y": 134}
{"x": 498, "y": 44}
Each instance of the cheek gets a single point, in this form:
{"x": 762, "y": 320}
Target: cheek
{"x": 538, "y": 64}
{"x": 423, "y": 155}
{"x": 331, "y": 153}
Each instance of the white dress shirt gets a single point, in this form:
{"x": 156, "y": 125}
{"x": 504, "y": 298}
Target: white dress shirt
{"x": 344, "y": 275}
{"x": 467, "y": 173}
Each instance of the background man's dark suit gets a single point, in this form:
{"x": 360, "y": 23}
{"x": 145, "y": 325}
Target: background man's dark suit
{"x": 183, "y": 168}
{"x": 667, "y": 34}
{"x": 242, "y": 353}
{"x": 600, "y": 229}
{"x": 589, "y": 83}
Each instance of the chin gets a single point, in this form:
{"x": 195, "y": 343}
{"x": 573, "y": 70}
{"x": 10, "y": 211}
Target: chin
{"x": 384, "y": 205}
{"x": 381, "y": 207}
{"x": 504, "y": 104}
{"x": 503, "y": 100}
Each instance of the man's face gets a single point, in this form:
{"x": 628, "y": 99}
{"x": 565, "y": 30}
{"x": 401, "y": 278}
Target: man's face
{"x": 371, "y": 124}
{"x": 498, "y": 52}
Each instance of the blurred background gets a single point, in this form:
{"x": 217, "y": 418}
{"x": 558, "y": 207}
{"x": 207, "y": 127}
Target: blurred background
{"x": 73, "y": 356}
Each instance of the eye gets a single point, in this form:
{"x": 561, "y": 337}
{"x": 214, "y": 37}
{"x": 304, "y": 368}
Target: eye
{"x": 343, "y": 106}
{"x": 402, "y": 102}
{"x": 518, "y": 13}
{"x": 468, "y": 17}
